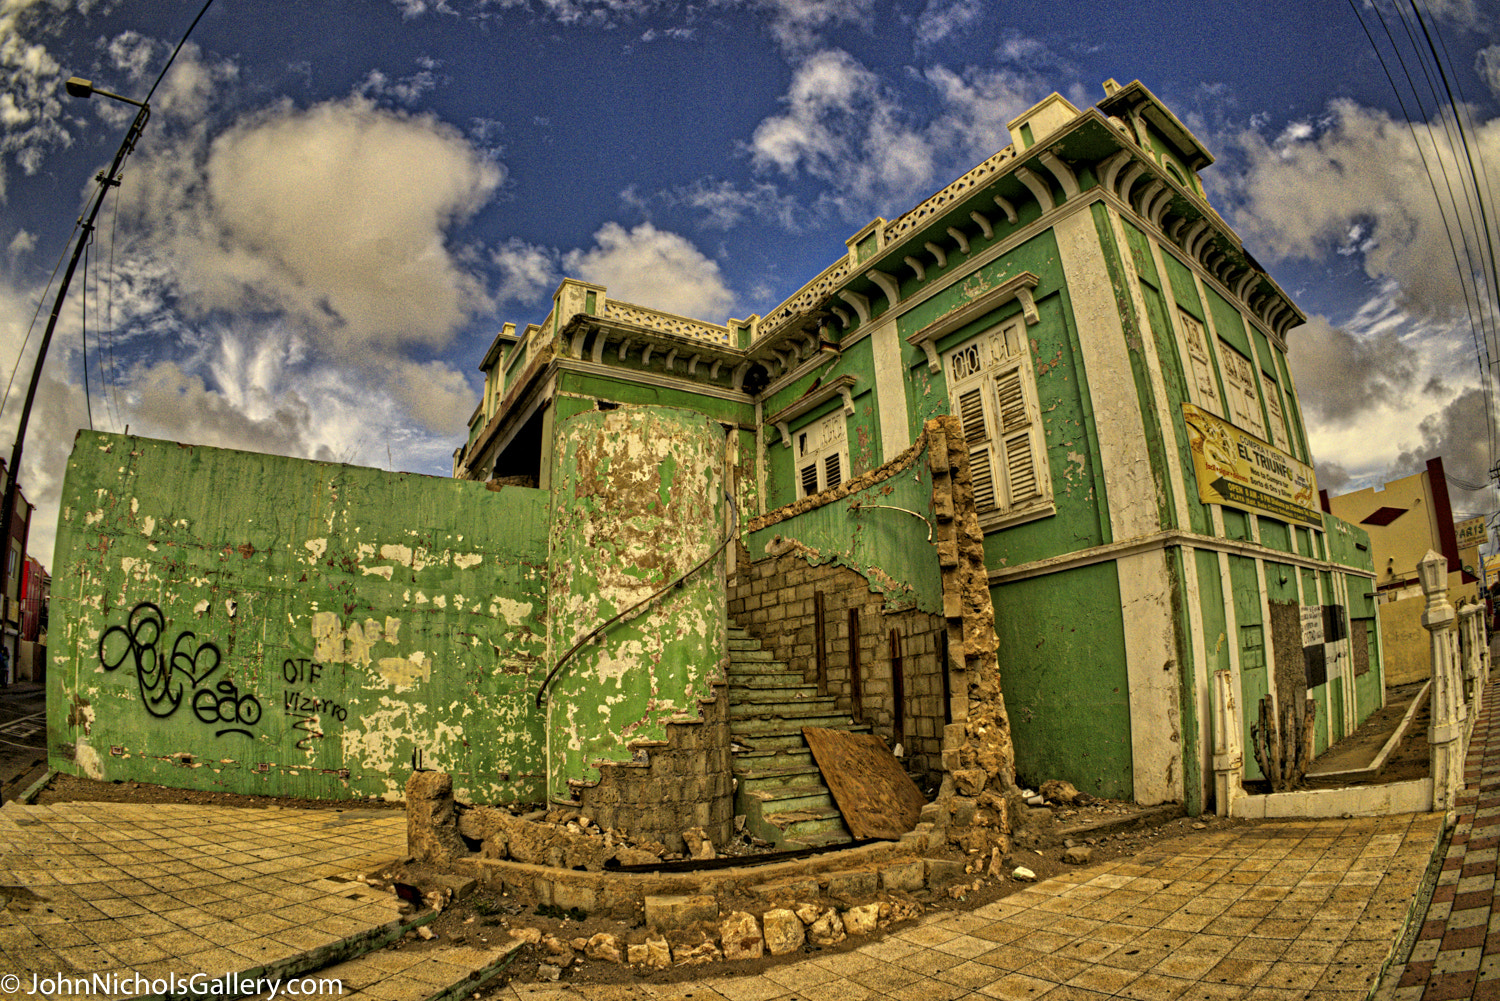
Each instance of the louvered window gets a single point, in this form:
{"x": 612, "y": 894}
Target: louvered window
{"x": 992, "y": 392}
{"x": 822, "y": 453}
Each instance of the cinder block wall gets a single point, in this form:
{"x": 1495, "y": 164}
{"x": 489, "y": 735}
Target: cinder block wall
{"x": 776, "y": 600}
{"x": 672, "y": 785}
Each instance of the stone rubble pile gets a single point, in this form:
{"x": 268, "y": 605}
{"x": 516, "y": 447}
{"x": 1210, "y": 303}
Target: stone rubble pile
{"x": 689, "y": 930}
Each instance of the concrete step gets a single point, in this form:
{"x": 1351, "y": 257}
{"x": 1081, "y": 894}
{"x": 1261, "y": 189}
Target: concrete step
{"x": 797, "y": 827}
{"x": 774, "y": 779}
{"x": 794, "y": 798}
{"x": 784, "y": 719}
{"x": 755, "y": 685}
{"x": 746, "y": 655}
{"x": 751, "y": 761}
{"x": 784, "y": 738}
{"x": 783, "y": 708}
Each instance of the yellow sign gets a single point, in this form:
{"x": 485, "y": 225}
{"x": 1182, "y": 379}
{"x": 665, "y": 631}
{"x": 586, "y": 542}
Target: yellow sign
{"x": 1237, "y": 469}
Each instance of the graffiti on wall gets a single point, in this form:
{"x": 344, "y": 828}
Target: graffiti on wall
{"x": 166, "y": 679}
{"x": 305, "y": 707}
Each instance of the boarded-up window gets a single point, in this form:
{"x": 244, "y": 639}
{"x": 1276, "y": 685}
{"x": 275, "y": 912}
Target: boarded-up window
{"x": 1278, "y": 420}
{"x": 1202, "y": 365}
{"x": 1239, "y": 384}
{"x": 1359, "y": 631}
{"x": 1286, "y": 650}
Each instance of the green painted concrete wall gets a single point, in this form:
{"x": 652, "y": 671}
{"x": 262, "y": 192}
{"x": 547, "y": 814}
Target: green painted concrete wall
{"x": 638, "y": 501}
{"x": 252, "y": 623}
{"x": 1062, "y": 645}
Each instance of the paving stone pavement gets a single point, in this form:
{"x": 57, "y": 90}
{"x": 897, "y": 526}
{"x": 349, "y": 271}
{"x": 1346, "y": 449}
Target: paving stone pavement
{"x": 120, "y": 889}
{"x": 1284, "y": 911}
{"x": 1457, "y": 950}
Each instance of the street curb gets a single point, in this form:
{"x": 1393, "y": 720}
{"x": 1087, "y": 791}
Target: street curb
{"x": 36, "y": 787}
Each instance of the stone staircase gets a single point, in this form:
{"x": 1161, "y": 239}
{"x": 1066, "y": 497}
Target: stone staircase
{"x": 779, "y": 788}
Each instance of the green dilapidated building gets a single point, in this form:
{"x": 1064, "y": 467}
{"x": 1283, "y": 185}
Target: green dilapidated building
{"x": 1018, "y": 473}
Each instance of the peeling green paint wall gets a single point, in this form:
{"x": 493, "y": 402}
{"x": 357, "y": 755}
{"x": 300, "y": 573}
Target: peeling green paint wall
{"x": 252, "y": 623}
{"x": 638, "y": 501}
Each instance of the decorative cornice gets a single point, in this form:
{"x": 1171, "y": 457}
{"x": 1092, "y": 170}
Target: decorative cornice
{"x": 1018, "y": 288}
{"x": 813, "y": 398}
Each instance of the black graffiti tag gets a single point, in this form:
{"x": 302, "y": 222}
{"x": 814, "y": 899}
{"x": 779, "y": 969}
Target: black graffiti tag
{"x": 162, "y": 678}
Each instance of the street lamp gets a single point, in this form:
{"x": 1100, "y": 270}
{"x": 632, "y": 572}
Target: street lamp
{"x": 107, "y": 179}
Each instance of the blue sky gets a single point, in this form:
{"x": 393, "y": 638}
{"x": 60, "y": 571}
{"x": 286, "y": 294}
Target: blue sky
{"x": 336, "y": 204}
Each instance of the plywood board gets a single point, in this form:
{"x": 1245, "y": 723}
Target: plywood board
{"x": 877, "y": 798}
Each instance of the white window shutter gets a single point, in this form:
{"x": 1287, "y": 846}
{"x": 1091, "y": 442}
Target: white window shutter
{"x": 1016, "y": 437}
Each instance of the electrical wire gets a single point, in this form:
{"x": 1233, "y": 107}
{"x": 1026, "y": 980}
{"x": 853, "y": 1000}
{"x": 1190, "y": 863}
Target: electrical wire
{"x": 162, "y": 75}
{"x": 1476, "y": 326}
{"x": 34, "y": 314}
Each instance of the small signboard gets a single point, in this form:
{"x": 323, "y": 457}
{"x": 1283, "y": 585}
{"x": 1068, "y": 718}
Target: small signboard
{"x": 1470, "y": 533}
{"x": 1236, "y": 469}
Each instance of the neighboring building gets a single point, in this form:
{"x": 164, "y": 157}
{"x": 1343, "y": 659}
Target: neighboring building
{"x": 1405, "y": 519}
{"x": 1018, "y": 473}
{"x": 15, "y": 561}
{"x": 36, "y": 584}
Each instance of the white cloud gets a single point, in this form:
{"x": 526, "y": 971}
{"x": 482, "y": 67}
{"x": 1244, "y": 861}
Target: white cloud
{"x": 335, "y": 216}
{"x": 405, "y": 91}
{"x": 798, "y": 25}
{"x": 645, "y": 265}
{"x": 1487, "y": 65}
{"x": 1302, "y": 194}
{"x": 843, "y": 127}
{"x": 942, "y": 18}
{"x": 653, "y": 267}
{"x": 526, "y": 271}
{"x": 1342, "y": 377}
{"x": 724, "y": 203}
{"x": 22, "y": 243}
{"x": 30, "y": 80}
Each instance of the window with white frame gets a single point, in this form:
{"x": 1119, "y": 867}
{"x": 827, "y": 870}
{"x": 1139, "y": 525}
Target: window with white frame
{"x": 1239, "y": 385}
{"x": 993, "y": 392}
{"x": 1202, "y": 365}
{"x": 822, "y": 454}
{"x": 1278, "y": 419}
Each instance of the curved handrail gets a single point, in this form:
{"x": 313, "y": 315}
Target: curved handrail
{"x": 541, "y": 692}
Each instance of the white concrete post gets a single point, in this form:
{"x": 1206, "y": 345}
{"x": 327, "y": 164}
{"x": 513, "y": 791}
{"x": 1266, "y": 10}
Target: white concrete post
{"x": 1468, "y": 618}
{"x": 1445, "y": 731}
{"x": 1229, "y": 746}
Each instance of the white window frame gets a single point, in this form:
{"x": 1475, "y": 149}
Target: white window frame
{"x": 992, "y": 391}
{"x": 1200, "y": 362}
{"x": 1239, "y": 386}
{"x": 820, "y": 454}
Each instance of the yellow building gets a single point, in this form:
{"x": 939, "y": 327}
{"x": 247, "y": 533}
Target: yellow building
{"x": 1405, "y": 519}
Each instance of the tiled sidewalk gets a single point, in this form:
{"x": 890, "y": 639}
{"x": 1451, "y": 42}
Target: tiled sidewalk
{"x": 154, "y": 889}
{"x": 1284, "y": 911}
{"x": 1457, "y": 952}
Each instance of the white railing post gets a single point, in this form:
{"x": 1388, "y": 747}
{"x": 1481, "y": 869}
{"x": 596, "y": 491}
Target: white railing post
{"x": 1229, "y": 746}
{"x": 1445, "y": 732}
